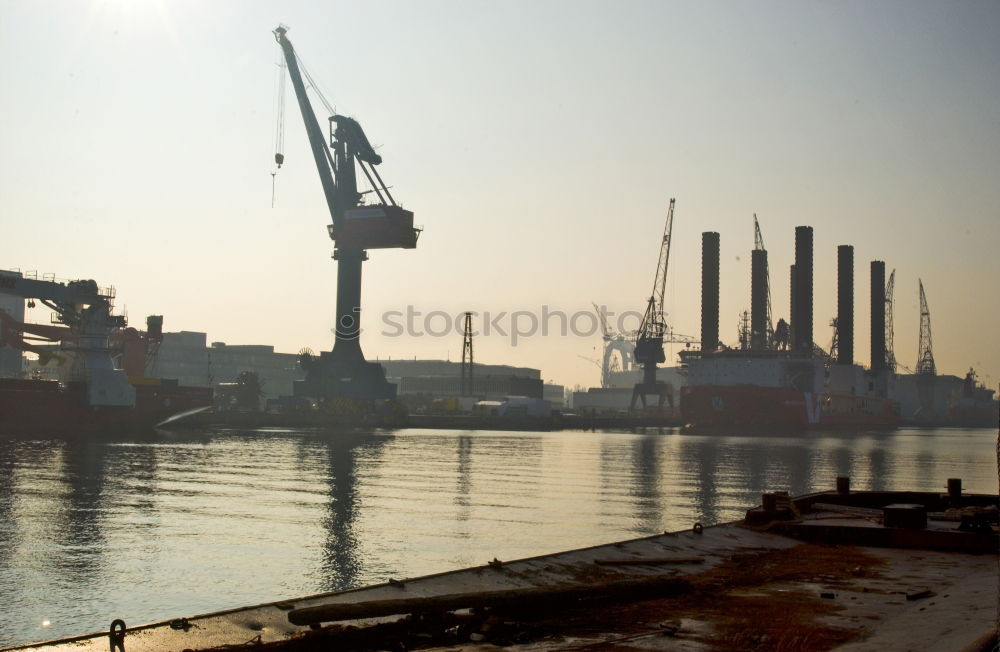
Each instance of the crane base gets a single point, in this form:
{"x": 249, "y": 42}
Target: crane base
{"x": 331, "y": 377}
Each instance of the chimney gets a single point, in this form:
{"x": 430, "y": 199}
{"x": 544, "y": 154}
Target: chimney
{"x": 758, "y": 299}
{"x": 803, "y": 319}
{"x": 709, "y": 291}
{"x": 845, "y": 304}
{"x": 878, "y": 315}
{"x": 791, "y": 307}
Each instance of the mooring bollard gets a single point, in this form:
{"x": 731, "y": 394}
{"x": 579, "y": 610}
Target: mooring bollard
{"x": 955, "y": 489}
{"x": 769, "y": 502}
{"x": 843, "y": 485}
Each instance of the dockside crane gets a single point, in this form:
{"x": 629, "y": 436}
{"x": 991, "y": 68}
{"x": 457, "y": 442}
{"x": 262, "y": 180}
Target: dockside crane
{"x": 890, "y": 356}
{"x": 768, "y": 335}
{"x": 925, "y": 354}
{"x": 926, "y": 377}
{"x": 649, "y": 339}
{"x": 355, "y": 227}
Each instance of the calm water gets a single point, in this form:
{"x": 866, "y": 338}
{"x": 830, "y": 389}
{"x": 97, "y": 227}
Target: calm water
{"x": 175, "y": 525}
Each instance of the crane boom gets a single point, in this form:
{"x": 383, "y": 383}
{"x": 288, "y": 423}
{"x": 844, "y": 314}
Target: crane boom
{"x": 317, "y": 141}
{"x": 660, "y": 282}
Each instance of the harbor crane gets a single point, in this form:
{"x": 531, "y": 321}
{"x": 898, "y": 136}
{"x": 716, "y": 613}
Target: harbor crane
{"x": 355, "y": 226}
{"x": 926, "y": 377}
{"x": 649, "y": 338}
{"x": 925, "y": 355}
{"x": 762, "y": 335}
{"x": 890, "y": 356}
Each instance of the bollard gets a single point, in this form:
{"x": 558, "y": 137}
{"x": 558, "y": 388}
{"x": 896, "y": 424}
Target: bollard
{"x": 843, "y": 485}
{"x": 955, "y": 489}
{"x": 769, "y": 503}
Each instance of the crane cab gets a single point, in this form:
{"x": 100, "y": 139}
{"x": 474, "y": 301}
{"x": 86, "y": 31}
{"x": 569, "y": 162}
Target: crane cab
{"x": 375, "y": 227}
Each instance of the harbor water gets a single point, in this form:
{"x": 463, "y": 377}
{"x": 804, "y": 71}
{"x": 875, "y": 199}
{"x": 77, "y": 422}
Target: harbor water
{"x": 176, "y": 524}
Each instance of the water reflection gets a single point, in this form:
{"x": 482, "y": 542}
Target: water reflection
{"x": 217, "y": 519}
{"x": 646, "y": 488}
{"x": 341, "y": 565}
{"x": 78, "y": 526}
{"x": 701, "y": 455}
{"x": 464, "y": 484}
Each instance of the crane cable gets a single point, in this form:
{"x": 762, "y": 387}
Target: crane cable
{"x": 279, "y": 130}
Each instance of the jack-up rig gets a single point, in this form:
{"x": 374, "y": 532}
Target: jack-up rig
{"x": 354, "y": 228}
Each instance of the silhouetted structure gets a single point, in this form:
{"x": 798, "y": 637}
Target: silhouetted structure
{"x": 802, "y": 317}
{"x": 709, "y": 291}
{"x": 845, "y": 304}
{"x": 878, "y": 315}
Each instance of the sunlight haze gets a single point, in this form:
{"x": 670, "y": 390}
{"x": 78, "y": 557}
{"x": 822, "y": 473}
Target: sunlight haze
{"x": 537, "y": 143}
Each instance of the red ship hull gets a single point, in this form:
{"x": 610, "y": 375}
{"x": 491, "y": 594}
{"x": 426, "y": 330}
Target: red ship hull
{"x": 41, "y": 407}
{"x": 748, "y": 408}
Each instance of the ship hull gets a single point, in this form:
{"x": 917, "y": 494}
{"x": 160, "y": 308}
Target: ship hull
{"x": 752, "y": 409}
{"x": 47, "y": 408}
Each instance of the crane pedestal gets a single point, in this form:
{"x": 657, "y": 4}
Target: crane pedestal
{"x": 330, "y": 377}
{"x": 344, "y": 372}
{"x": 650, "y": 386}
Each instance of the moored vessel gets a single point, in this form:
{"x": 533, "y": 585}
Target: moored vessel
{"x": 771, "y": 391}
{"x": 100, "y": 365}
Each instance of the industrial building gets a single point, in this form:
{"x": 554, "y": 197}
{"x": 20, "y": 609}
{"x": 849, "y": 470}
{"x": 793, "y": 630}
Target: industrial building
{"x": 434, "y": 378}
{"x": 189, "y": 358}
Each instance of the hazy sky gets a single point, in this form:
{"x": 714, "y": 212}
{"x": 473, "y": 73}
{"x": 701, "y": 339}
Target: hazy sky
{"x": 537, "y": 142}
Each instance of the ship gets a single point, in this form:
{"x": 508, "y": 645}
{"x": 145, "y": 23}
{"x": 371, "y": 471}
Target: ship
{"x": 773, "y": 391}
{"x": 974, "y": 405}
{"x": 778, "y": 379}
{"x": 101, "y": 386}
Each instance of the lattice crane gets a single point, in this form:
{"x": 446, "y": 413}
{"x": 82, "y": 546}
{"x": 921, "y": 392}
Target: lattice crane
{"x": 758, "y": 244}
{"x": 890, "y": 356}
{"x": 649, "y": 338}
{"x": 925, "y": 356}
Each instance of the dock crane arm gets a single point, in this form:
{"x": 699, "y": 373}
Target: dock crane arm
{"x": 317, "y": 141}
{"x": 653, "y": 322}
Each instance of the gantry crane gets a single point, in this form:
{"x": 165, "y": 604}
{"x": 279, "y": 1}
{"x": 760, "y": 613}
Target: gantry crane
{"x": 354, "y": 227}
{"x": 649, "y": 338}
